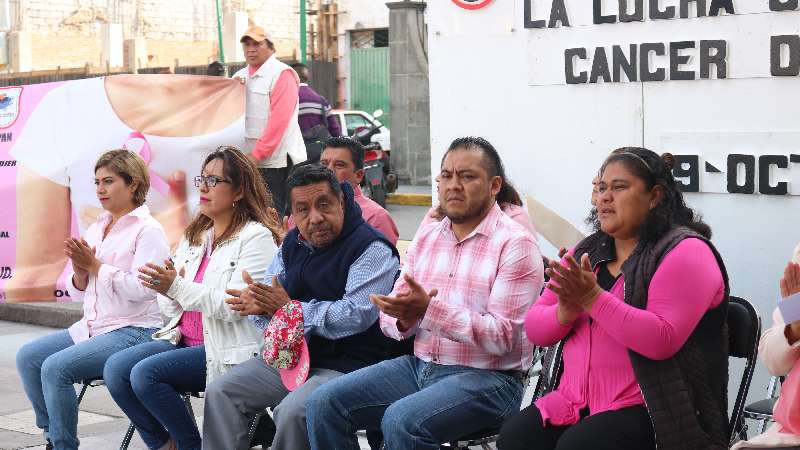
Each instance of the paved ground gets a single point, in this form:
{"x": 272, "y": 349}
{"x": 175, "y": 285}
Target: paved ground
{"x": 101, "y": 423}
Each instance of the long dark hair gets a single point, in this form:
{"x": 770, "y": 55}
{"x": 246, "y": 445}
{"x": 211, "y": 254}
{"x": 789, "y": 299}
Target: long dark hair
{"x": 492, "y": 164}
{"x": 656, "y": 170}
{"x": 252, "y": 206}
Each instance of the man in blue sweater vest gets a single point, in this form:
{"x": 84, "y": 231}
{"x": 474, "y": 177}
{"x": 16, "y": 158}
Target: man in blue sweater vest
{"x": 331, "y": 262}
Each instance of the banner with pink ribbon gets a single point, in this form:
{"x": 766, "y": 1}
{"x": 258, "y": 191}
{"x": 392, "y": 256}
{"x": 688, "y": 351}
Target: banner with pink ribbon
{"x": 50, "y": 137}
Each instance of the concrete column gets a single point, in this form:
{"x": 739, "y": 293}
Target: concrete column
{"x": 135, "y": 53}
{"x": 113, "y": 45}
{"x": 234, "y": 24}
{"x": 19, "y": 54}
{"x": 410, "y": 98}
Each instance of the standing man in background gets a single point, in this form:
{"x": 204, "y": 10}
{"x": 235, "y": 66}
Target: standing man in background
{"x": 272, "y": 135}
{"x": 316, "y": 121}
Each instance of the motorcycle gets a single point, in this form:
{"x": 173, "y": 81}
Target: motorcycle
{"x": 379, "y": 178}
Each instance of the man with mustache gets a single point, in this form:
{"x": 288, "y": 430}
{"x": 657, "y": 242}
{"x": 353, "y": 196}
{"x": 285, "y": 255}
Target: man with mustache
{"x": 466, "y": 286}
{"x": 331, "y": 263}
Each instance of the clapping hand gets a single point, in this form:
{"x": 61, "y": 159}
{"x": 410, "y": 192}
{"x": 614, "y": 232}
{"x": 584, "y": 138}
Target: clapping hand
{"x": 790, "y": 283}
{"x": 159, "y": 278}
{"x": 82, "y": 256}
{"x": 257, "y": 298}
{"x": 574, "y": 284}
{"x": 408, "y": 308}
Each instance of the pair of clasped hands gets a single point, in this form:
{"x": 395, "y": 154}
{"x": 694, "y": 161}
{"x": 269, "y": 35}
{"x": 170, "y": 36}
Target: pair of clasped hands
{"x": 255, "y": 299}
{"x": 574, "y": 284}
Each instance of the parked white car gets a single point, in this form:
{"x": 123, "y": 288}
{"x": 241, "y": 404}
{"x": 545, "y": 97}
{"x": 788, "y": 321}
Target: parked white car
{"x": 350, "y": 120}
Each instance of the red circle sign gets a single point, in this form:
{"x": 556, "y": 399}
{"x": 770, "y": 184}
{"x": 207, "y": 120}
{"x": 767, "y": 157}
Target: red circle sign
{"x": 472, "y": 4}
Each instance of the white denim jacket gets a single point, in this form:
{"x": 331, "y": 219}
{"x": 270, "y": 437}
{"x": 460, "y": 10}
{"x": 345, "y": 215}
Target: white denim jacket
{"x": 229, "y": 338}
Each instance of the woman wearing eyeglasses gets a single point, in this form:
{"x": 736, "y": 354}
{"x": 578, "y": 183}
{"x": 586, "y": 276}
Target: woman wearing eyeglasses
{"x": 231, "y": 237}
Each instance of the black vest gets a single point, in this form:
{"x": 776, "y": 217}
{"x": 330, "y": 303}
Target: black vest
{"x": 321, "y": 274}
{"x": 687, "y": 394}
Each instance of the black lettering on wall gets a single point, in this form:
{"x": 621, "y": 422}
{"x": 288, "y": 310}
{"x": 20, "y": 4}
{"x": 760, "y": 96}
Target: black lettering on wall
{"x": 558, "y": 13}
{"x": 638, "y": 11}
{"x": 569, "y": 65}
{"x": 600, "y": 66}
{"x": 765, "y": 162}
{"x": 718, "y": 5}
{"x": 687, "y": 167}
{"x": 4, "y": 234}
{"x": 714, "y": 53}
{"x": 749, "y": 184}
{"x": 792, "y": 67}
{"x": 783, "y": 5}
{"x": 5, "y": 273}
{"x": 621, "y": 63}
{"x": 597, "y": 14}
{"x": 656, "y": 12}
{"x": 676, "y": 60}
{"x": 701, "y": 8}
{"x": 645, "y": 49}
{"x": 528, "y": 19}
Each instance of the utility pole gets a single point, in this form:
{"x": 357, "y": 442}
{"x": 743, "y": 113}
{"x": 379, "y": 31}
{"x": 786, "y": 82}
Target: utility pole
{"x": 303, "y": 33}
{"x": 219, "y": 34}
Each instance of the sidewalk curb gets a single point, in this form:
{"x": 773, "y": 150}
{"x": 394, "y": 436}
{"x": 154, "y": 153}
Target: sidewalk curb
{"x": 409, "y": 199}
{"x": 46, "y": 314}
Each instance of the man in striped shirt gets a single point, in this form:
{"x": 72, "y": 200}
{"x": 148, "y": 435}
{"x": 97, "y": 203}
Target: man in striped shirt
{"x": 466, "y": 285}
{"x": 315, "y": 119}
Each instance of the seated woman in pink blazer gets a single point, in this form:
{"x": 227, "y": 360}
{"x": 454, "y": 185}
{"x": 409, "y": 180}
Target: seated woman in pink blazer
{"x": 780, "y": 350}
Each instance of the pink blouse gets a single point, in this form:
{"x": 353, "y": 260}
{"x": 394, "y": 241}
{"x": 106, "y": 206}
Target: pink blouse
{"x": 115, "y": 298}
{"x": 597, "y": 369}
{"x": 191, "y": 323}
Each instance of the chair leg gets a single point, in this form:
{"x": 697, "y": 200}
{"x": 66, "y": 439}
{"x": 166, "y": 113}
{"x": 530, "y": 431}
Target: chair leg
{"x": 187, "y": 400}
{"x": 128, "y": 436}
{"x": 83, "y": 392}
{"x": 764, "y": 423}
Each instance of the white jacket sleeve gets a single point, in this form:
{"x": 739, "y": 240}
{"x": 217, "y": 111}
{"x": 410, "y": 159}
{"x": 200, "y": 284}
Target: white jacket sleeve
{"x": 169, "y": 307}
{"x": 255, "y": 253}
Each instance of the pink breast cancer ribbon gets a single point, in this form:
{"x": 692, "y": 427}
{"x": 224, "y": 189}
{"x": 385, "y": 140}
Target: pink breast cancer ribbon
{"x": 146, "y": 154}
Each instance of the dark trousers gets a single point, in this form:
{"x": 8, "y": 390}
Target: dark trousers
{"x": 276, "y": 184}
{"x": 628, "y": 428}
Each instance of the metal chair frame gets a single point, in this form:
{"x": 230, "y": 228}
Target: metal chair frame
{"x": 543, "y": 375}
{"x": 94, "y": 382}
{"x": 737, "y": 425}
{"x": 773, "y": 389}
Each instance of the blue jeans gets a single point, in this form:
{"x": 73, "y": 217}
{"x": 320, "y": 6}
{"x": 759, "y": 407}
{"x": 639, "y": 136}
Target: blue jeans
{"x": 49, "y": 367}
{"x": 417, "y": 404}
{"x": 146, "y": 381}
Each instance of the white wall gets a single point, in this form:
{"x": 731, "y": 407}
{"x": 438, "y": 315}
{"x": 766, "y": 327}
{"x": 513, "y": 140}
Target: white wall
{"x": 356, "y": 15}
{"x": 489, "y": 76}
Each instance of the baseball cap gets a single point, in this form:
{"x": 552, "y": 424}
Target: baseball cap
{"x": 285, "y": 345}
{"x": 257, "y": 34}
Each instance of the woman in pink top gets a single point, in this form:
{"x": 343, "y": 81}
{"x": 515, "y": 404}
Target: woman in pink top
{"x": 641, "y": 305}
{"x": 118, "y": 312}
{"x": 779, "y": 348}
{"x": 231, "y": 239}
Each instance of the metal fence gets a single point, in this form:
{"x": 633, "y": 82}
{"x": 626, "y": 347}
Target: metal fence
{"x": 323, "y": 75}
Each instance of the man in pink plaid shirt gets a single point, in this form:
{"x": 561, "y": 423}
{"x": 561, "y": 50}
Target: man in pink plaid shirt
{"x": 466, "y": 285}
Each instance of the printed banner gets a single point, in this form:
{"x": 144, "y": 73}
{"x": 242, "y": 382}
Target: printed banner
{"x": 52, "y": 134}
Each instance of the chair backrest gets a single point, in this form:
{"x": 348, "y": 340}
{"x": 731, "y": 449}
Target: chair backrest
{"x": 744, "y": 332}
{"x": 552, "y": 366}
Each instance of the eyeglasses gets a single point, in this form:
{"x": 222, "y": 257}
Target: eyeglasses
{"x": 209, "y": 181}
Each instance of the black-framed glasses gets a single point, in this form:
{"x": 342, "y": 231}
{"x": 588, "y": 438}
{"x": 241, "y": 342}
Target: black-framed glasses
{"x": 209, "y": 181}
